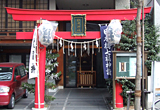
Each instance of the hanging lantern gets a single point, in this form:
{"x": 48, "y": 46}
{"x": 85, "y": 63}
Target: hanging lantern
{"x": 46, "y": 32}
{"x": 113, "y": 32}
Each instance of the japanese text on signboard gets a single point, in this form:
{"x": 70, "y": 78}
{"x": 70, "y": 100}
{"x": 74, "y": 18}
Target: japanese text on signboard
{"x": 78, "y": 25}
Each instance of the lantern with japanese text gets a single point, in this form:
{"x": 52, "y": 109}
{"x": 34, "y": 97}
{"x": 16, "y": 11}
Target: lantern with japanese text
{"x": 46, "y": 32}
{"x": 113, "y": 32}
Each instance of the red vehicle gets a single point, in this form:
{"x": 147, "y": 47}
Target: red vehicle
{"x": 12, "y": 75}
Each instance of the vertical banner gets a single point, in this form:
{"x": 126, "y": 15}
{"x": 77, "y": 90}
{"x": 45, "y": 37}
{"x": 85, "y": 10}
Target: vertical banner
{"x": 106, "y": 54}
{"x": 33, "y": 69}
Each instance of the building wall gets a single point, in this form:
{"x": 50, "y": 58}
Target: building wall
{"x": 122, "y": 4}
{"x": 6, "y": 20}
{"x": 157, "y": 17}
{"x": 52, "y": 4}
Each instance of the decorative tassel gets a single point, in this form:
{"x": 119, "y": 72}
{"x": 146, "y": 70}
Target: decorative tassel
{"x": 81, "y": 49}
{"x": 88, "y": 48}
{"x": 68, "y": 50}
{"x": 84, "y": 46}
{"x": 58, "y": 45}
{"x": 75, "y": 50}
{"x": 97, "y": 43}
{"x": 53, "y": 45}
{"x": 63, "y": 47}
{"x": 60, "y": 42}
{"x": 71, "y": 47}
{"x": 92, "y": 47}
{"x": 99, "y": 46}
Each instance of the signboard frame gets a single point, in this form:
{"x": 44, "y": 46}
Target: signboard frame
{"x": 78, "y": 24}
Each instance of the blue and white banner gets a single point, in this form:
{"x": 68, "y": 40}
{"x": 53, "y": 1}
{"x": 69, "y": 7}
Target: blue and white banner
{"x": 106, "y": 54}
{"x": 33, "y": 69}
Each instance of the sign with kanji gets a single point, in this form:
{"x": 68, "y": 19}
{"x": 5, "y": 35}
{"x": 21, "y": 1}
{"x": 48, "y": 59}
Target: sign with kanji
{"x": 78, "y": 24}
{"x": 106, "y": 54}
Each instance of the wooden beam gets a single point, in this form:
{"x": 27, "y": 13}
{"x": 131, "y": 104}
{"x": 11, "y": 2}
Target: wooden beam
{"x": 15, "y": 41}
{"x": 15, "y": 51}
{"x": 8, "y": 37}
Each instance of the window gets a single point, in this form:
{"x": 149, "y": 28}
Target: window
{"x": 27, "y": 61}
{"x": 2, "y": 14}
{"x": 11, "y": 22}
{"x": 6, "y": 20}
{"x": 5, "y": 73}
{"x": 22, "y": 71}
{"x": 15, "y": 58}
{"x": 33, "y": 4}
{"x": 16, "y": 73}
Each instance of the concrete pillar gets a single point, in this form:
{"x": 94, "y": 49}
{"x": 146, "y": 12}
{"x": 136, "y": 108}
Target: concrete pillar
{"x": 122, "y": 4}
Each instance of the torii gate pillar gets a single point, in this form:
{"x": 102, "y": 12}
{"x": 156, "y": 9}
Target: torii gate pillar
{"x": 40, "y": 94}
{"x": 40, "y": 83}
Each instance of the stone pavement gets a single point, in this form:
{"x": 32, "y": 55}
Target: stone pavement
{"x": 70, "y": 99}
{"x": 80, "y": 99}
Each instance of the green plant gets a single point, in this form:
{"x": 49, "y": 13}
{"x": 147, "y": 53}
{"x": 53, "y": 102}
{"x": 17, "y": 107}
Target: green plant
{"x": 128, "y": 39}
{"x": 48, "y": 98}
{"x": 109, "y": 84}
{"x": 51, "y": 63}
{"x": 30, "y": 87}
{"x": 126, "y": 86}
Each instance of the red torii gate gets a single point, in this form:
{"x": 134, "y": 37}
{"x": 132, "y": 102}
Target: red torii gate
{"x": 64, "y": 15}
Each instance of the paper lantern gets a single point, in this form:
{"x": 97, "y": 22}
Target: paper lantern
{"x": 46, "y": 32}
{"x": 113, "y": 32}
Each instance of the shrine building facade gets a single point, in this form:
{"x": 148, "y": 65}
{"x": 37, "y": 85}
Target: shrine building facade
{"x": 79, "y": 67}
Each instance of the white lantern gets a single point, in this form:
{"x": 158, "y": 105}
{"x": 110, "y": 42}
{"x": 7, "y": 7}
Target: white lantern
{"x": 114, "y": 31}
{"x": 46, "y": 32}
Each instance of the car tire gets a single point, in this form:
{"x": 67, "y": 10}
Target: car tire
{"x": 25, "y": 94}
{"x": 12, "y": 102}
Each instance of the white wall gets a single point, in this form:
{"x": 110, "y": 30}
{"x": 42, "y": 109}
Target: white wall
{"x": 157, "y": 17}
{"x": 156, "y": 12}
